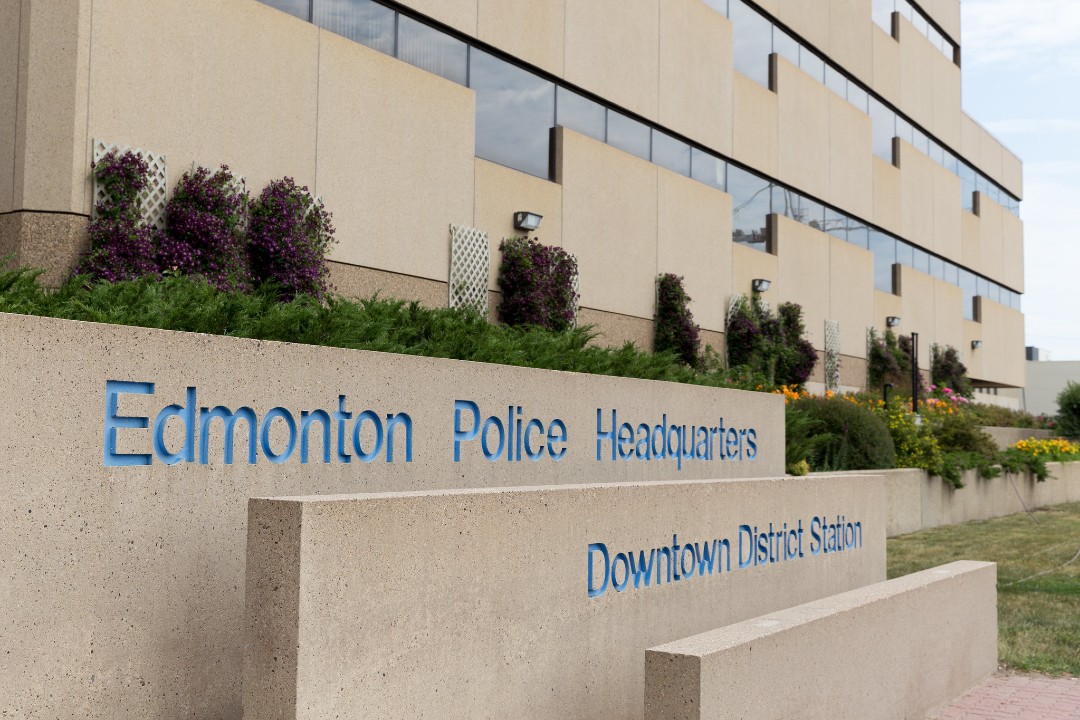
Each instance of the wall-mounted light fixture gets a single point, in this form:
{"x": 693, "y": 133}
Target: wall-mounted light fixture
{"x": 525, "y": 220}
{"x": 761, "y": 284}
{"x": 892, "y": 321}
{"x": 976, "y": 344}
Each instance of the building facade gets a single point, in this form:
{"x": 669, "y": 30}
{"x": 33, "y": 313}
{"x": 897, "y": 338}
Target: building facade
{"x": 818, "y": 144}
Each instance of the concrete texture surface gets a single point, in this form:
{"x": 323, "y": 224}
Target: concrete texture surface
{"x": 123, "y": 586}
{"x": 477, "y": 604}
{"x": 890, "y": 650}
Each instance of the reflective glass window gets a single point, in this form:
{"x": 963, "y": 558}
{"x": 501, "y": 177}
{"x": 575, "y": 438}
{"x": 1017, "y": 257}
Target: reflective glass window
{"x": 904, "y": 130}
{"x": 707, "y": 168}
{"x": 920, "y": 22}
{"x": 982, "y": 185}
{"x": 428, "y": 49}
{"x": 952, "y": 273}
{"x": 967, "y": 287}
{"x": 950, "y": 163}
{"x": 752, "y": 42}
{"x": 921, "y": 260}
{"x": 811, "y": 64}
{"x": 750, "y": 206}
{"x": 858, "y": 234}
{"x": 720, "y": 6}
{"x": 787, "y": 202}
{"x": 364, "y": 21}
{"x": 982, "y": 286}
{"x": 580, "y": 114}
{"x": 298, "y": 8}
{"x": 515, "y": 111}
{"x": 967, "y": 184}
{"x": 858, "y": 97}
{"x": 785, "y": 46}
{"x": 934, "y": 36}
{"x": 883, "y": 10}
{"x": 628, "y": 134}
{"x": 937, "y": 153}
{"x": 835, "y": 81}
{"x": 670, "y": 152}
{"x": 812, "y": 214}
{"x": 884, "y": 129}
{"x": 884, "y": 248}
{"x": 905, "y": 254}
{"x": 937, "y": 267}
{"x": 904, "y": 8}
{"x": 995, "y": 292}
{"x": 835, "y": 224}
{"x": 920, "y": 141}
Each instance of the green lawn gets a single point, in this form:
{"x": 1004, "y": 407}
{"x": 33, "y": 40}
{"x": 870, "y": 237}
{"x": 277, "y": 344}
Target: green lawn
{"x": 1038, "y": 617}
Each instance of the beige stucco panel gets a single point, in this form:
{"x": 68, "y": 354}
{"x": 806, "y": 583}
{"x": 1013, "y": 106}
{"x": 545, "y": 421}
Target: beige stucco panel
{"x": 886, "y": 64}
{"x": 948, "y": 314}
{"x": 945, "y": 13}
{"x": 533, "y": 30}
{"x": 755, "y": 132}
{"x": 946, "y": 99}
{"x": 459, "y": 14}
{"x": 1012, "y": 173}
{"x": 50, "y": 141}
{"x": 393, "y": 201}
{"x": 970, "y": 135}
{"x": 851, "y": 169}
{"x": 886, "y": 304}
{"x": 696, "y": 69}
{"x": 248, "y": 101}
{"x": 917, "y": 310}
{"x": 803, "y": 255}
{"x": 948, "y": 213}
{"x": 1012, "y": 247}
{"x": 990, "y": 155}
{"x": 916, "y": 74}
{"x": 971, "y": 242}
{"x": 1003, "y": 345}
{"x": 803, "y": 127}
{"x": 991, "y": 237}
{"x": 694, "y": 240}
{"x": 851, "y": 294}
{"x": 500, "y": 192}
{"x": 886, "y": 194}
{"x": 747, "y": 264}
{"x": 851, "y": 43}
{"x": 9, "y": 89}
{"x": 976, "y": 361}
{"x": 616, "y": 60}
{"x": 917, "y": 173}
{"x": 809, "y": 20}
{"x": 610, "y": 223}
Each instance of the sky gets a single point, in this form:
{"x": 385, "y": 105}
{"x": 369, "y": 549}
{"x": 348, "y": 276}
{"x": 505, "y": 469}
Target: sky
{"x": 1021, "y": 81}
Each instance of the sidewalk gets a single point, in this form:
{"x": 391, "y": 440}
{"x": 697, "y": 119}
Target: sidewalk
{"x": 1017, "y": 697}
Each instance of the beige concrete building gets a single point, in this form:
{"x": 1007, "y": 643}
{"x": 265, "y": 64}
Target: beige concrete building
{"x": 818, "y": 144}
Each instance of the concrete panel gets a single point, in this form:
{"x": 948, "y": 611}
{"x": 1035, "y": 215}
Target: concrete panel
{"x": 803, "y": 124}
{"x": 694, "y": 240}
{"x": 970, "y": 139}
{"x": 895, "y": 649}
{"x": 610, "y": 223}
{"x": 991, "y": 236}
{"x": 946, "y": 13}
{"x": 9, "y": 92}
{"x": 360, "y": 283}
{"x": 803, "y": 255}
{"x": 748, "y": 264}
{"x": 808, "y": 20}
{"x": 1012, "y": 173}
{"x": 1003, "y": 359}
{"x": 945, "y": 87}
{"x": 460, "y": 14}
{"x": 886, "y": 65}
{"x": 368, "y": 175}
{"x": 851, "y": 297}
{"x": 756, "y": 125}
{"x": 948, "y": 213}
{"x": 970, "y": 242}
{"x": 917, "y": 194}
{"x": 851, "y": 42}
{"x": 1045, "y": 380}
{"x": 887, "y": 194}
{"x": 503, "y": 579}
{"x": 916, "y": 74}
{"x": 250, "y": 102}
{"x": 1006, "y": 437}
{"x": 1012, "y": 247}
{"x": 886, "y": 304}
{"x": 50, "y": 241}
{"x": 917, "y": 310}
{"x": 51, "y": 133}
{"x": 617, "y": 60}
{"x": 533, "y": 30}
{"x": 851, "y": 167}
{"x": 125, "y": 598}
{"x": 500, "y": 192}
{"x": 948, "y": 314}
{"x": 990, "y": 155}
{"x": 696, "y": 69}
{"x": 977, "y": 362}
{"x": 615, "y": 330}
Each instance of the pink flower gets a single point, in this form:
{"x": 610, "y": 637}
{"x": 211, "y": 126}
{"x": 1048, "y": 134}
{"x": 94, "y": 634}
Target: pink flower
{"x": 947, "y": 391}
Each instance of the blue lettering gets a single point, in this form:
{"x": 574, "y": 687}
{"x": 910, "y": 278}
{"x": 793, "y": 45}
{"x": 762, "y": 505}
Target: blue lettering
{"x": 620, "y": 586}
{"x": 306, "y": 419}
{"x": 601, "y": 435}
{"x": 602, "y": 549}
{"x": 264, "y": 435}
{"x": 751, "y": 445}
{"x": 114, "y": 422}
{"x": 392, "y": 421}
{"x": 532, "y": 425}
{"x": 641, "y": 568}
{"x": 460, "y": 433}
{"x": 340, "y": 416}
{"x": 747, "y": 560}
{"x": 366, "y": 457}
{"x": 229, "y": 418}
{"x": 556, "y": 434}
{"x": 187, "y": 416}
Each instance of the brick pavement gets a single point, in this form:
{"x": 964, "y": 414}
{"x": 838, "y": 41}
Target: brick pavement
{"x": 1007, "y": 696}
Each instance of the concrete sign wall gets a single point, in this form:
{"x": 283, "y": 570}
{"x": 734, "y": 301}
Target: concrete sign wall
{"x": 531, "y": 603}
{"x": 123, "y": 521}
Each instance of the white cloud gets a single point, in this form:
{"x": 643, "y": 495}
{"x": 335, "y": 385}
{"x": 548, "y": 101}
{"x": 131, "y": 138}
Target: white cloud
{"x": 1017, "y": 126}
{"x": 1041, "y": 33}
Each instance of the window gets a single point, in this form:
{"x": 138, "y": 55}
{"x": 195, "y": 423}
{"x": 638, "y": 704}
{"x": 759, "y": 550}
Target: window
{"x": 750, "y": 206}
{"x": 363, "y": 21}
{"x": 670, "y": 153}
{"x": 431, "y": 50}
{"x": 708, "y": 169}
{"x": 785, "y": 46}
{"x": 581, "y": 114}
{"x": 752, "y": 41}
{"x": 968, "y": 288}
{"x": 628, "y": 134}
{"x": 884, "y": 129}
{"x": 836, "y": 224}
{"x": 884, "y": 248}
{"x": 920, "y": 260}
{"x": 836, "y": 82}
{"x": 515, "y": 111}
{"x": 883, "y": 10}
{"x": 811, "y": 64}
{"x": 905, "y": 254}
{"x": 937, "y": 267}
{"x": 298, "y": 8}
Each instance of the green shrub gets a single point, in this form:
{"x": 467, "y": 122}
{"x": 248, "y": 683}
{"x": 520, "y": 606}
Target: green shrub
{"x": 854, "y": 437}
{"x": 887, "y": 361}
{"x": 946, "y": 370}
{"x": 674, "y": 327}
{"x": 916, "y": 443}
{"x": 1068, "y": 419}
{"x": 770, "y": 343}
{"x": 997, "y": 416}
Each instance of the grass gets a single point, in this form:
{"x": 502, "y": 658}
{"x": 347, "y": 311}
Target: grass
{"x": 1038, "y": 593}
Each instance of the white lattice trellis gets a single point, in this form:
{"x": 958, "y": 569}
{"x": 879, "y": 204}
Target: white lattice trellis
{"x": 154, "y": 196}
{"x": 575, "y": 284}
{"x": 470, "y": 263}
{"x": 832, "y": 355}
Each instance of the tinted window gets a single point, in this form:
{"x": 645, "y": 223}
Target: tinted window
{"x": 952, "y": 273}
{"x": 581, "y": 114}
{"x": 670, "y": 153}
{"x": 921, "y": 260}
{"x": 514, "y": 113}
{"x": 904, "y": 130}
{"x": 787, "y": 202}
{"x": 858, "y": 97}
{"x": 750, "y": 206}
{"x": 785, "y": 46}
{"x": 811, "y": 64}
{"x": 921, "y": 142}
{"x": 905, "y": 254}
{"x": 858, "y": 234}
{"x": 428, "y": 49}
{"x": 967, "y": 185}
{"x": 752, "y": 42}
{"x": 836, "y": 223}
{"x": 364, "y": 21}
{"x": 883, "y": 10}
{"x": 967, "y": 287}
{"x": 937, "y": 267}
{"x": 299, "y": 8}
{"x": 628, "y": 134}
{"x": 884, "y": 249}
{"x": 884, "y": 128}
{"x": 719, "y": 6}
{"x": 813, "y": 214}
{"x": 836, "y": 82}
{"x": 708, "y": 169}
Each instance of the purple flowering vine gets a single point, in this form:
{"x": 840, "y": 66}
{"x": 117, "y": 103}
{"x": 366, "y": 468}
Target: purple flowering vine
{"x": 290, "y": 235}
{"x": 537, "y": 284}
{"x": 675, "y": 330}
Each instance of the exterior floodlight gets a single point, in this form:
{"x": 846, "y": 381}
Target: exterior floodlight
{"x": 525, "y": 220}
{"x": 892, "y": 321}
{"x": 976, "y": 344}
{"x": 761, "y": 284}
